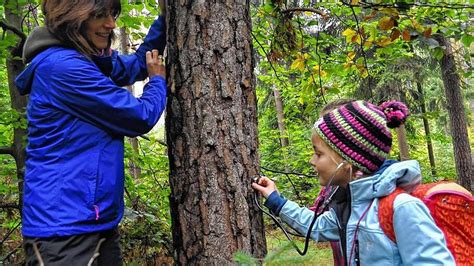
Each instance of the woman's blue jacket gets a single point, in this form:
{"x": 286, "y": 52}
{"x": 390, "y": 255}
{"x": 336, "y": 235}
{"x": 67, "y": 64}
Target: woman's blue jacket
{"x": 78, "y": 114}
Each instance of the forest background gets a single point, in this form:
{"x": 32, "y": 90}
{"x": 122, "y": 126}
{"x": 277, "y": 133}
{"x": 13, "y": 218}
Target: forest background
{"x": 307, "y": 54}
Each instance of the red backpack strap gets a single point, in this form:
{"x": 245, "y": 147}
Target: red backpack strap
{"x": 386, "y": 213}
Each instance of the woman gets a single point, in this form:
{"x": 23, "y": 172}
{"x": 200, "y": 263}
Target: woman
{"x": 78, "y": 116}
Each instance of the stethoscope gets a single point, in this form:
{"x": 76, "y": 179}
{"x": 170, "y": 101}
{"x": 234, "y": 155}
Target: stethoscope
{"x": 321, "y": 205}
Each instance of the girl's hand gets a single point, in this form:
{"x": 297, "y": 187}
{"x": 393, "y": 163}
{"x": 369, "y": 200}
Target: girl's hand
{"x": 265, "y": 186}
{"x": 155, "y": 64}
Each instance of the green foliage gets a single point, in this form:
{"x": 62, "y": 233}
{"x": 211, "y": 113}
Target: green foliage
{"x": 358, "y": 52}
{"x": 146, "y": 227}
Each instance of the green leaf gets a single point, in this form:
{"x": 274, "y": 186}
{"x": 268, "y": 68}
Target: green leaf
{"x": 467, "y": 40}
{"x": 438, "y": 53}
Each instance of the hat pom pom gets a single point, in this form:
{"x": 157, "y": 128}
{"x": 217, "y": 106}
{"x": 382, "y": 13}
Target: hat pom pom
{"x": 395, "y": 112}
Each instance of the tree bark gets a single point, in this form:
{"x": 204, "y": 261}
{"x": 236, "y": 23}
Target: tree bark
{"x": 18, "y": 103}
{"x": 135, "y": 171}
{"x": 426, "y": 125}
{"x": 212, "y": 132}
{"x": 403, "y": 143}
{"x": 281, "y": 126}
{"x": 457, "y": 116}
{"x": 280, "y": 117}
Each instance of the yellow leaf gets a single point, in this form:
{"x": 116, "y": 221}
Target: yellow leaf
{"x": 349, "y": 33}
{"x": 354, "y": 2}
{"x": 384, "y": 41}
{"x": 307, "y": 13}
{"x": 368, "y": 43}
{"x": 318, "y": 72}
{"x": 417, "y": 26}
{"x": 363, "y": 72}
{"x": 351, "y": 55}
{"x": 390, "y": 11}
{"x": 386, "y": 23}
{"x": 299, "y": 62}
{"x": 356, "y": 39}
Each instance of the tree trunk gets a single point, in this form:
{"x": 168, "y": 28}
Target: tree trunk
{"x": 457, "y": 115}
{"x": 281, "y": 125}
{"x": 14, "y": 67}
{"x": 135, "y": 171}
{"x": 212, "y": 132}
{"x": 403, "y": 143}
{"x": 426, "y": 125}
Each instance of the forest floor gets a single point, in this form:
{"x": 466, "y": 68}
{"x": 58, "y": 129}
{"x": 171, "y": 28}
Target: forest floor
{"x": 281, "y": 252}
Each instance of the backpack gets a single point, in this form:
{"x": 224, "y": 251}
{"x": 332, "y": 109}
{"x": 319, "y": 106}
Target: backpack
{"x": 452, "y": 208}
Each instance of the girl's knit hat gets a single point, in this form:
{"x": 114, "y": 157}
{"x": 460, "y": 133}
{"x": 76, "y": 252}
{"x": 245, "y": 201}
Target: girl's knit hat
{"x": 359, "y": 131}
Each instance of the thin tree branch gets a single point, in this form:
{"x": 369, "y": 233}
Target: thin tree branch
{"x": 13, "y": 29}
{"x": 9, "y": 233}
{"x": 361, "y": 43}
{"x": 7, "y": 150}
{"x": 9, "y": 206}
{"x": 268, "y": 59}
{"x": 405, "y": 5}
{"x": 286, "y": 173}
{"x": 319, "y": 63}
{"x": 4, "y": 259}
{"x": 305, "y": 9}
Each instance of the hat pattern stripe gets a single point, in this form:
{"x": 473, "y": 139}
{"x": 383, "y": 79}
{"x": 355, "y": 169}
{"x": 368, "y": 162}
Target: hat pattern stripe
{"x": 360, "y": 165}
{"x": 364, "y": 144}
{"x": 373, "y": 114}
{"x": 353, "y": 143}
{"x": 381, "y": 139}
{"x": 358, "y": 129}
{"x": 338, "y": 145}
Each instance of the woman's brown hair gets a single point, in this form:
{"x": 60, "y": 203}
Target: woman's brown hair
{"x": 66, "y": 19}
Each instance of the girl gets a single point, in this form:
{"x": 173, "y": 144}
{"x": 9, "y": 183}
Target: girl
{"x": 351, "y": 145}
{"x": 323, "y": 193}
{"x": 78, "y": 115}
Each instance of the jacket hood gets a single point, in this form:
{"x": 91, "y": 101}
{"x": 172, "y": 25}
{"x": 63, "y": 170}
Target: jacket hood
{"x": 24, "y": 81}
{"x": 39, "y": 40}
{"x": 405, "y": 174}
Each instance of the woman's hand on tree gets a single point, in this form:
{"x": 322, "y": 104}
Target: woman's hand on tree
{"x": 155, "y": 64}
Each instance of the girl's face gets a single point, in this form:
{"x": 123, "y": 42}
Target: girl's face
{"x": 325, "y": 161}
{"x": 99, "y": 30}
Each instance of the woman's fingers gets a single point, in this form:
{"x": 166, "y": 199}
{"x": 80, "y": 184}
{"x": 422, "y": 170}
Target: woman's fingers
{"x": 155, "y": 63}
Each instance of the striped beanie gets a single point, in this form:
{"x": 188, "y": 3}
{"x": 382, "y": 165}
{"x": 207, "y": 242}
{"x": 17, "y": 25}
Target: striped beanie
{"x": 359, "y": 131}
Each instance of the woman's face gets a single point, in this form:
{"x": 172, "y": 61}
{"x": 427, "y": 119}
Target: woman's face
{"x": 325, "y": 162}
{"x": 99, "y": 30}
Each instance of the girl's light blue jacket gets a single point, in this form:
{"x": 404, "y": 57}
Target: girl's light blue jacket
{"x": 419, "y": 240}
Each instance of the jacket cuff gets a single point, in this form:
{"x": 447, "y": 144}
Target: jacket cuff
{"x": 275, "y": 202}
